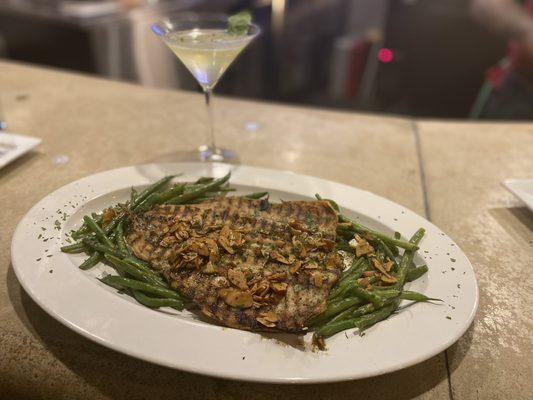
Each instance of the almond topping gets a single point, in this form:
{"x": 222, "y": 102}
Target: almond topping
{"x": 277, "y": 276}
{"x": 295, "y": 267}
{"x": 237, "y": 277}
{"x": 209, "y": 268}
{"x": 167, "y": 241}
{"x": 388, "y": 279}
{"x": 311, "y": 265}
{"x": 268, "y": 319}
{"x": 317, "y": 278}
{"x": 279, "y": 287}
{"x": 380, "y": 268}
{"x": 388, "y": 265}
{"x": 224, "y": 242}
{"x": 278, "y": 257}
{"x": 236, "y": 298}
{"x": 362, "y": 281}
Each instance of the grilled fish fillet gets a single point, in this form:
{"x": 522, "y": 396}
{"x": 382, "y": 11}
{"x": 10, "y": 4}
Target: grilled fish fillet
{"x": 246, "y": 263}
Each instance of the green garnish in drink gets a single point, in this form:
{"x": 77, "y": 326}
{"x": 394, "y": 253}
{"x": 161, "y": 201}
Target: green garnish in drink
{"x": 238, "y": 24}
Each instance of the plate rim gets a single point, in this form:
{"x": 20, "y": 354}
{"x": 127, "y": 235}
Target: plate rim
{"x": 222, "y": 374}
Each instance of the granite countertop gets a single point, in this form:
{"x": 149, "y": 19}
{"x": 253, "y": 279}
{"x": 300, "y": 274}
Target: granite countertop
{"x": 448, "y": 171}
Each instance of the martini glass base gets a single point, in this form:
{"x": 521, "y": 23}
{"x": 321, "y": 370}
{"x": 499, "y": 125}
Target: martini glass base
{"x": 216, "y": 154}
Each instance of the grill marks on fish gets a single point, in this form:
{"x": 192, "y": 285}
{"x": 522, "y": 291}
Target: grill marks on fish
{"x": 234, "y": 259}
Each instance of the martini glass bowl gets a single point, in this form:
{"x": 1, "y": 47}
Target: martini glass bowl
{"x": 206, "y": 48}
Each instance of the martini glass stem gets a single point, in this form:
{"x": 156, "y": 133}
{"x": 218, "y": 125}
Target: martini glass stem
{"x": 210, "y": 120}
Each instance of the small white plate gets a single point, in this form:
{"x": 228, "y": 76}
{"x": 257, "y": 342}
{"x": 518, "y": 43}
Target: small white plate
{"x": 521, "y": 188}
{"x": 12, "y": 146}
{"x": 180, "y": 340}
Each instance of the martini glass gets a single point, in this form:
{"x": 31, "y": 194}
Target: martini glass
{"x": 206, "y": 48}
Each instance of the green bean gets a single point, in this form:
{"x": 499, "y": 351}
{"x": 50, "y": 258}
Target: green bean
{"x": 339, "y": 289}
{"x": 153, "y": 302}
{"x": 140, "y": 198}
{"x": 145, "y": 267}
{"x": 407, "y": 258}
{"x": 363, "y": 310}
{"x": 388, "y": 293}
{"x": 387, "y": 250}
{"x": 160, "y": 198}
{"x": 366, "y": 321}
{"x": 74, "y": 248}
{"x": 344, "y": 247}
{"x": 205, "y": 179}
{"x": 100, "y": 235}
{"x": 256, "y": 195}
{"x": 333, "y": 327}
{"x": 119, "y": 237}
{"x": 125, "y": 267}
{"x": 415, "y": 296}
{"x": 200, "y": 190}
{"x": 362, "y": 322}
{"x": 415, "y": 273}
{"x": 199, "y": 200}
{"x": 91, "y": 261}
{"x": 387, "y": 239}
{"x": 333, "y": 309}
{"x": 355, "y": 268}
{"x": 349, "y": 279}
{"x": 102, "y": 248}
{"x": 122, "y": 283}
{"x": 332, "y": 203}
{"x": 134, "y": 195}
{"x": 366, "y": 295}
{"x": 343, "y": 315}
{"x": 84, "y": 229}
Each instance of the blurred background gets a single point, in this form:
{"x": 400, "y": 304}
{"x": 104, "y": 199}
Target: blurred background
{"x": 425, "y": 58}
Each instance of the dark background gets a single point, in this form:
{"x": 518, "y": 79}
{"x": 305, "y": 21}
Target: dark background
{"x": 321, "y": 53}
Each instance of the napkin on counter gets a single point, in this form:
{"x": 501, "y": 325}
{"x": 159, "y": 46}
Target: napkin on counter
{"x": 13, "y": 146}
{"x": 521, "y": 188}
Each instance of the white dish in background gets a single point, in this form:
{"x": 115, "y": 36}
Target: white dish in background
{"x": 521, "y": 188}
{"x": 12, "y": 146}
{"x": 179, "y": 340}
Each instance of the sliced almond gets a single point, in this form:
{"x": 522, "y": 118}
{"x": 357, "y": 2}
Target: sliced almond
{"x": 277, "y": 276}
{"x": 297, "y": 225}
{"x": 369, "y": 273}
{"x": 279, "y": 287}
{"x": 377, "y": 264}
{"x": 326, "y": 244}
{"x": 108, "y": 215}
{"x": 190, "y": 256}
{"x": 236, "y": 298}
{"x": 388, "y": 279}
{"x": 265, "y": 322}
{"x": 237, "y": 277}
{"x": 295, "y": 267}
{"x": 167, "y": 241}
{"x": 278, "y": 257}
{"x": 311, "y": 265}
{"x": 388, "y": 265}
{"x": 332, "y": 262}
{"x": 224, "y": 242}
{"x": 363, "y": 248}
{"x": 317, "y": 279}
{"x": 362, "y": 281}
{"x": 209, "y": 268}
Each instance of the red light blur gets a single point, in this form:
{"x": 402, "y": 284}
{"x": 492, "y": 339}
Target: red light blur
{"x": 385, "y": 55}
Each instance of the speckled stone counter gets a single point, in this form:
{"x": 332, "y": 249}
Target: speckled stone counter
{"x": 450, "y": 172}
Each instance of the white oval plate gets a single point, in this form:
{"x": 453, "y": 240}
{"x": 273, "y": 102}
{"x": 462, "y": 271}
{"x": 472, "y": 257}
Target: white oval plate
{"x": 180, "y": 340}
